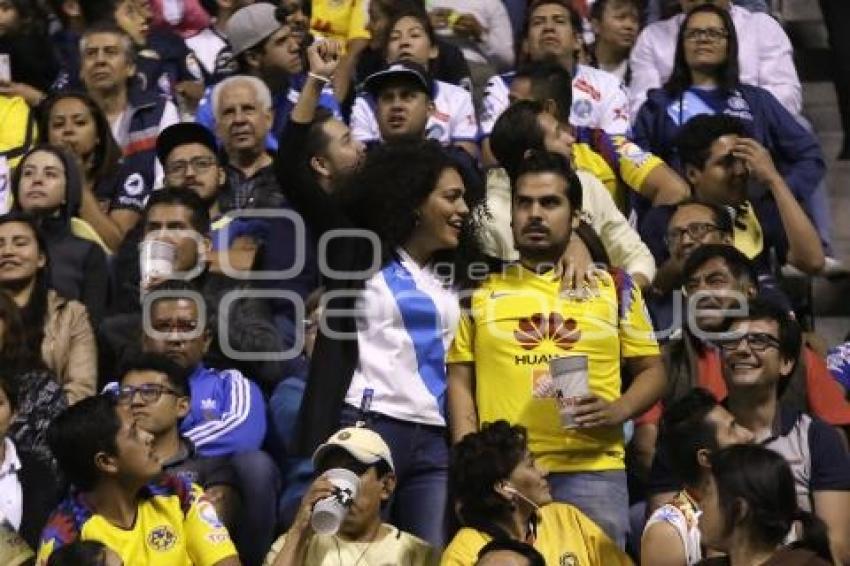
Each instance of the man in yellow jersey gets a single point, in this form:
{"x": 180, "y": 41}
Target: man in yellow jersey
{"x": 519, "y": 320}
{"x": 120, "y": 498}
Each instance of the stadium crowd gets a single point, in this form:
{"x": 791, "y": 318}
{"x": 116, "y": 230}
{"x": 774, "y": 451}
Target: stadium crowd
{"x": 353, "y": 282}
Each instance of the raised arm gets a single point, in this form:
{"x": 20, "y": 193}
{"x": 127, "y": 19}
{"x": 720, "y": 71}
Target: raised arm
{"x": 299, "y": 186}
{"x": 804, "y": 246}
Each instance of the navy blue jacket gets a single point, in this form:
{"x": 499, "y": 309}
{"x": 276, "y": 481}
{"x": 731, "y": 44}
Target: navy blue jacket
{"x": 794, "y": 149}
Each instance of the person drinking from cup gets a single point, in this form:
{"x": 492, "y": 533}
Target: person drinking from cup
{"x": 339, "y": 521}
{"x": 176, "y": 245}
{"x": 519, "y": 322}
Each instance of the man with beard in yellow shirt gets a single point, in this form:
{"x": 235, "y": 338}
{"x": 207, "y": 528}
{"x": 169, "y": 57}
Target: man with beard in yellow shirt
{"x": 519, "y": 320}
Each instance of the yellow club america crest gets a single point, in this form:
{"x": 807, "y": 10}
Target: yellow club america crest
{"x": 162, "y": 538}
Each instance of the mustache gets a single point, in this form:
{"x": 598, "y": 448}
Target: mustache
{"x": 535, "y": 227}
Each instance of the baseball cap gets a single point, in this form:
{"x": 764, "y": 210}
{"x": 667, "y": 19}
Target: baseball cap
{"x": 408, "y": 69}
{"x": 183, "y": 133}
{"x": 364, "y": 445}
{"x": 251, "y": 25}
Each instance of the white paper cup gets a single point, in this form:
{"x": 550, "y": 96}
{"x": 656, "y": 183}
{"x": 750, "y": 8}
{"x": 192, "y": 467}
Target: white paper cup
{"x": 329, "y": 513}
{"x": 569, "y": 378}
{"x": 156, "y": 260}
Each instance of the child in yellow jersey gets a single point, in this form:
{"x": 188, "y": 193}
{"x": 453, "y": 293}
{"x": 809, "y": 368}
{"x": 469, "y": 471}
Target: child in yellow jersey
{"x": 502, "y": 492}
{"x": 119, "y": 497}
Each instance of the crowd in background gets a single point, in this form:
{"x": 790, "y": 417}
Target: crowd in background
{"x": 247, "y": 247}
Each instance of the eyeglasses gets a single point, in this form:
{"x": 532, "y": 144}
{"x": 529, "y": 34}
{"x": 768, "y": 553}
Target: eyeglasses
{"x": 184, "y": 326}
{"x": 696, "y": 230}
{"x": 714, "y": 35}
{"x": 200, "y": 164}
{"x": 757, "y": 341}
{"x": 149, "y": 392}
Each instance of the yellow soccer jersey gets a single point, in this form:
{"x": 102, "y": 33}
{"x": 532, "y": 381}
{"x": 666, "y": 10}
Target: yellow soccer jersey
{"x": 339, "y": 19}
{"x": 635, "y": 163}
{"x": 19, "y": 132}
{"x": 596, "y": 152}
{"x": 564, "y": 536}
{"x": 586, "y": 159}
{"x": 175, "y": 526}
{"x": 517, "y": 322}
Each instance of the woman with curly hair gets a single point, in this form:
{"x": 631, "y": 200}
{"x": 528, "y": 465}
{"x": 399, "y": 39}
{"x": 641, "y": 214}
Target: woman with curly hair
{"x": 390, "y": 312}
{"x": 502, "y": 493}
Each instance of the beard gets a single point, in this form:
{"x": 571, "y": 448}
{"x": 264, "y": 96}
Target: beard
{"x": 550, "y": 253}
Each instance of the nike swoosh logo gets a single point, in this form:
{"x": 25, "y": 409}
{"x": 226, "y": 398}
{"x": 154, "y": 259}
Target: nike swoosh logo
{"x": 495, "y": 295}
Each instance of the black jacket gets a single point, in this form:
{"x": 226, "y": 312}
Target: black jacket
{"x": 334, "y": 360}
{"x": 78, "y": 267}
{"x": 42, "y": 491}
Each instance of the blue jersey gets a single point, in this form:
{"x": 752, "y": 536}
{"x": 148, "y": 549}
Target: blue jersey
{"x": 227, "y": 413}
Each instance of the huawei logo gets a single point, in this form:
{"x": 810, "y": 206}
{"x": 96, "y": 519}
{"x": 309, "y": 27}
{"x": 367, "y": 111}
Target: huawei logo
{"x": 538, "y": 327}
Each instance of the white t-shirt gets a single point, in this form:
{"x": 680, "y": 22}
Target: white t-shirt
{"x": 497, "y": 41}
{"x": 391, "y": 361}
{"x": 683, "y": 515}
{"x": 395, "y": 548}
{"x": 453, "y": 119}
{"x": 765, "y": 57}
{"x": 599, "y": 101}
{"x": 211, "y": 49}
{"x": 11, "y": 494}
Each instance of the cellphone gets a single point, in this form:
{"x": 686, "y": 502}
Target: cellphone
{"x": 5, "y": 68}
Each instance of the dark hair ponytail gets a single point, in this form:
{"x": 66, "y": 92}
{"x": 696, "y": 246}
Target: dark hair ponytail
{"x": 815, "y": 537}
{"x": 760, "y": 479}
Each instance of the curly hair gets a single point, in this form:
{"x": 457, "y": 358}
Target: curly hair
{"x": 479, "y": 461}
{"x": 384, "y": 197}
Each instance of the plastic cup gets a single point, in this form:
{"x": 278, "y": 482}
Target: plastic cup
{"x": 328, "y": 513}
{"x": 569, "y": 377}
{"x": 156, "y": 260}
